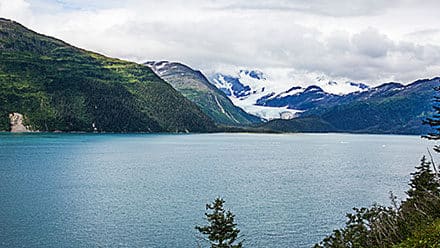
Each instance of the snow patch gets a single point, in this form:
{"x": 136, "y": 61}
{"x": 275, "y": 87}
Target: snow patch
{"x": 270, "y": 113}
{"x": 246, "y": 87}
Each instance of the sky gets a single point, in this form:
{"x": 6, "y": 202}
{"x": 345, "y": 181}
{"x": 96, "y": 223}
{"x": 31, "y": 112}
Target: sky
{"x": 368, "y": 41}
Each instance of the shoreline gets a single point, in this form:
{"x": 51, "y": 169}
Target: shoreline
{"x": 218, "y": 132}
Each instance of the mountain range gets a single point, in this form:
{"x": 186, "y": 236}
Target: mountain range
{"x": 333, "y": 107}
{"x": 258, "y": 94}
{"x": 195, "y": 86}
{"x": 49, "y": 85}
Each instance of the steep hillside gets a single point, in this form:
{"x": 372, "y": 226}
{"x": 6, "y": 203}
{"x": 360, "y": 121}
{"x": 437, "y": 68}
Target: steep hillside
{"x": 301, "y": 99}
{"x": 194, "y": 86}
{"x": 260, "y": 94}
{"x": 56, "y": 86}
{"x": 388, "y": 108}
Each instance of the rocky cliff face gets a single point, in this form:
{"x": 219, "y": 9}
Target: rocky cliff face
{"x": 16, "y": 123}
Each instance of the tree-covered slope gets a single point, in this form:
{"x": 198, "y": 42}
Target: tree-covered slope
{"x": 389, "y": 108}
{"x": 194, "y": 86}
{"x": 60, "y": 87}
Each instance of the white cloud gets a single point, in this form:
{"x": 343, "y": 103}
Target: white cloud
{"x": 371, "y": 41}
{"x": 14, "y": 9}
{"x": 318, "y": 7}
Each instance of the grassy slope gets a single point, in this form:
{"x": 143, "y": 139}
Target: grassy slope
{"x": 60, "y": 87}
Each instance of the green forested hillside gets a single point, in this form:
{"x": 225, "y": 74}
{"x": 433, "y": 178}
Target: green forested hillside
{"x": 194, "y": 86}
{"x": 399, "y": 111}
{"x": 59, "y": 87}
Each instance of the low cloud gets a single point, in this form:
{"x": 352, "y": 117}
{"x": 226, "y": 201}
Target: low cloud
{"x": 341, "y": 8}
{"x": 353, "y": 40}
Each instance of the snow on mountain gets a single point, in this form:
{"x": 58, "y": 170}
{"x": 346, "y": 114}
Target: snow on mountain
{"x": 270, "y": 113}
{"x": 195, "y": 87}
{"x": 246, "y": 88}
{"x": 343, "y": 88}
{"x": 255, "y": 92}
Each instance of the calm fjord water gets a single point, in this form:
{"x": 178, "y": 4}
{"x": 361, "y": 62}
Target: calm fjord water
{"x": 84, "y": 190}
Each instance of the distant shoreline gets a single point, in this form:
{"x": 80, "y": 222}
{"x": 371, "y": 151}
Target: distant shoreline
{"x": 216, "y": 132}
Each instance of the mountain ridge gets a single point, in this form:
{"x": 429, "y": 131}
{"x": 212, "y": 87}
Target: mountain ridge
{"x": 256, "y": 93}
{"x": 57, "y": 86}
{"x": 388, "y": 108}
{"x": 196, "y": 87}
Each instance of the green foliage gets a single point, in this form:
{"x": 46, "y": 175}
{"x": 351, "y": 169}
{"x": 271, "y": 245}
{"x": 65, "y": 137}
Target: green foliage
{"x": 401, "y": 113}
{"x": 381, "y": 226}
{"x": 423, "y": 203}
{"x": 305, "y": 124}
{"x": 415, "y": 223}
{"x": 434, "y": 121}
{"x": 60, "y": 87}
{"x": 222, "y": 232}
{"x": 366, "y": 227}
{"x": 424, "y": 237}
{"x": 212, "y": 101}
{"x": 392, "y": 115}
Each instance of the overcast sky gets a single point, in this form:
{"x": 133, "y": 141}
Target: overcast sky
{"x": 361, "y": 40}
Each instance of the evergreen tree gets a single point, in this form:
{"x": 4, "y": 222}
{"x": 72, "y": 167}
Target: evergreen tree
{"x": 434, "y": 121}
{"x": 380, "y": 226}
{"x": 423, "y": 182}
{"x": 423, "y": 201}
{"x": 415, "y": 223}
{"x": 222, "y": 231}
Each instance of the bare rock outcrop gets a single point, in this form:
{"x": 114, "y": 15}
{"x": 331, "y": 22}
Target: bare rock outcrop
{"x": 16, "y": 123}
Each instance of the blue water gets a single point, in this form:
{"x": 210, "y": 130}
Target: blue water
{"x": 85, "y": 190}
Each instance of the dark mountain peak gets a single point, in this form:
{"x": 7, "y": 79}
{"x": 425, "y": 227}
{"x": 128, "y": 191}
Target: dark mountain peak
{"x": 321, "y": 78}
{"x": 167, "y": 68}
{"x": 164, "y": 64}
{"x": 6, "y": 20}
{"x": 359, "y": 85}
{"x": 426, "y": 80}
{"x": 157, "y": 63}
{"x": 254, "y": 74}
{"x": 292, "y": 89}
{"x": 313, "y": 88}
{"x": 388, "y": 86}
{"x": 421, "y": 84}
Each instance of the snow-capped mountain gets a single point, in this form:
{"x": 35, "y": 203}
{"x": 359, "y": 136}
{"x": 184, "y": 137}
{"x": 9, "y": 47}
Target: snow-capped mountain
{"x": 193, "y": 85}
{"x": 259, "y": 94}
{"x": 388, "y": 108}
{"x": 246, "y": 88}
